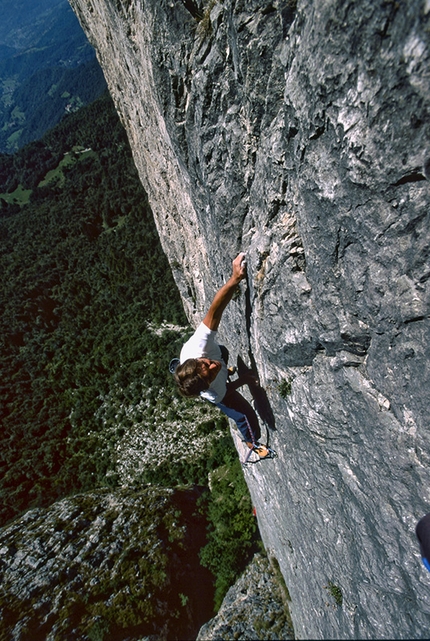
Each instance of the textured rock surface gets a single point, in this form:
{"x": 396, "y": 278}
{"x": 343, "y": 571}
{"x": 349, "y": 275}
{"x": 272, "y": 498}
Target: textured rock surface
{"x": 101, "y": 565}
{"x": 299, "y": 132}
{"x": 256, "y": 607}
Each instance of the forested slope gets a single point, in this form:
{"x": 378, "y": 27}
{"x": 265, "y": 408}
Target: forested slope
{"x": 89, "y": 319}
{"x": 82, "y": 273}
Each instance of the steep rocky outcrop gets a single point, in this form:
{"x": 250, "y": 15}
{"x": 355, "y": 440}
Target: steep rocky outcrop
{"x": 299, "y": 132}
{"x": 255, "y": 607}
{"x": 105, "y": 565}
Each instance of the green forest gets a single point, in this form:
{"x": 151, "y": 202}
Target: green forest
{"x": 47, "y": 68}
{"x": 90, "y": 318}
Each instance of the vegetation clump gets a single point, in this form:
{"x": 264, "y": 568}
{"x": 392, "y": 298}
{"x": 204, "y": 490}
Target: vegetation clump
{"x": 335, "y": 592}
{"x": 232, "y": 532}
{"x": 204, "y": 27}
{"x": 284, "y": 388}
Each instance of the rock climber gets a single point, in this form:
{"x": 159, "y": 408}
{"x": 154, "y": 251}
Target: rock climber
{"x": 202, "y": 366}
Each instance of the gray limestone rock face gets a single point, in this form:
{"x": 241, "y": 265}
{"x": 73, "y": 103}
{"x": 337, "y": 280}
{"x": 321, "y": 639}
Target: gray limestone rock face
{"x": 299, "y": 132}
{"x": 255, "y": 607}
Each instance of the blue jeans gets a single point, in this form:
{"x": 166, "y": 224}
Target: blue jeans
{"x": 236, "y": 407}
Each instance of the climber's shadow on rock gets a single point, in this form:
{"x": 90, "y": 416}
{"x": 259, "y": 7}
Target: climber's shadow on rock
{"x": 259, "y": 395}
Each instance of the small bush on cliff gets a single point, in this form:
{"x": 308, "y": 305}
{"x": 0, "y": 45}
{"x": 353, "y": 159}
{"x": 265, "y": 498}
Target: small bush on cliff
{"x": 204, "y": 27}
{"x": 284, "y": 388}
{"x": 335, "y": 592}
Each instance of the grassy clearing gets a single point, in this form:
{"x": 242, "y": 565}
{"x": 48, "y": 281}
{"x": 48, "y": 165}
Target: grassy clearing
{"x": 70, "y": 158}
{"x": 20, "y": 196}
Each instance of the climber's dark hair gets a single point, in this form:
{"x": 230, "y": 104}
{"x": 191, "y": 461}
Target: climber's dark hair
{"x": 188, "y": 380}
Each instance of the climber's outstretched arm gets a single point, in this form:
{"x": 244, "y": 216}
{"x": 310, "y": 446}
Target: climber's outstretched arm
{"x": 225, "y": 294}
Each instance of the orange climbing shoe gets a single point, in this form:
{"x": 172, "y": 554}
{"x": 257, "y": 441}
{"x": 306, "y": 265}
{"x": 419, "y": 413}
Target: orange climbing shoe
{"x": 262, "y": 451}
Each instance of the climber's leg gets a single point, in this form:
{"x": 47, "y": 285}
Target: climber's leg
{"x": 235, "y": 401}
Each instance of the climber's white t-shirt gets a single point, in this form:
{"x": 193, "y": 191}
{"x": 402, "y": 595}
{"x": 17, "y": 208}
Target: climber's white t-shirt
{"x": 202, "y": 345}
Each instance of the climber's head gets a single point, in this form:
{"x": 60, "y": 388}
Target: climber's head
{"x": 195, "y": 375}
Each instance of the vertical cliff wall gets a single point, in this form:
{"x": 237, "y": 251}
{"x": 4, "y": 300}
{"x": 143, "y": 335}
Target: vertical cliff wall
{"x": 299, "y": 133}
